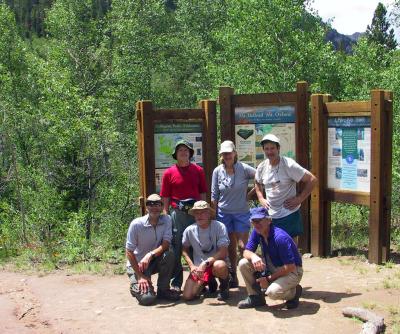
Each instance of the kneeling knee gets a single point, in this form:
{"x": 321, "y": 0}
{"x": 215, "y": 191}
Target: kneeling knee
{"x": 243, "y": 263}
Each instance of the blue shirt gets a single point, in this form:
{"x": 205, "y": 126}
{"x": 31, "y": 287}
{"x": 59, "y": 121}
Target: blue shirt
{"x": 280, "y": 247}
{"x": 230, "y": 191}
{"x": 142, "y": 237}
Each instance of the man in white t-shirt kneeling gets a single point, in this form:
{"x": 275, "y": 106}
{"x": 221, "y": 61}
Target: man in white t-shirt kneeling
{"x": 209, "y": 241}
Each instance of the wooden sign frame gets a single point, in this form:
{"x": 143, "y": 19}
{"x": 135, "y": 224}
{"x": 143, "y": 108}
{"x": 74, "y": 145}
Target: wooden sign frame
{"x": 147, "y": 117}
{"x": 380, "y": 109}
{"x": 228, "y": 101}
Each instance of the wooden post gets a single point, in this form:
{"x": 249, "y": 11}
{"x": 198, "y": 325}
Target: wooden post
{"x": 209, "y": 140}
{"x": 317, "y": 134}
{"x": 139, "y": 134}
{"x": 376, "y": 235}
{"x": 320, "y": 207}
{"x": 387, "y": 167}
{"x": 146, "y": 145}
{"x": 326, "y": 204}
{"x": 227, "y": 116}
{"x": 302, "y": 155}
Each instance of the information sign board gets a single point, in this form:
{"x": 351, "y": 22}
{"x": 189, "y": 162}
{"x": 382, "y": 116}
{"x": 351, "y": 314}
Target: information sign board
{"x": 349, "y": 153}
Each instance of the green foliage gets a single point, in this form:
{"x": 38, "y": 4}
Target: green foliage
{"x": 269, "y": 45}
{"x": 68, "y": 165}
{"x": 349, "y": 226}
{"x": 378, "y": 32}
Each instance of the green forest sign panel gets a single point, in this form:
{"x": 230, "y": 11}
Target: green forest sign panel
{"x": 349, "y": 153}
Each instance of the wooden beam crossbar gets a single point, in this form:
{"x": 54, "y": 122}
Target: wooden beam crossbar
{"x": 264, "y": 99}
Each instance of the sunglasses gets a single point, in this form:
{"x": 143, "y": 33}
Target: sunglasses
{"x": 153, "y": 203}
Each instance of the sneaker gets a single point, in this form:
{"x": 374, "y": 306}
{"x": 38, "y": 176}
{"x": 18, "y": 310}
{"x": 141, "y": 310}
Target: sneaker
{"x": 293, "y": 303}
{"x": 252, "y": 301}
{"x": 168, "y": 295}
{"x": 234, "y": 283}
{"x": 223, "y": 293}
{"x": 177, "y": 289}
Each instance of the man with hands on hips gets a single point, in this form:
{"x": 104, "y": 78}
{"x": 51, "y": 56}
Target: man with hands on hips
{"x": 279, "y": 176}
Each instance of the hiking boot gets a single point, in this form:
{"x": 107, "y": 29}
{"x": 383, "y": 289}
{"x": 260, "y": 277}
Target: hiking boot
{"x": 223, "y": 293}
{"x": 168, "y": 295}
{"x": 293, "y": 303}
{"x": 146, "y": 299}
{"x": 252, "y": 301}
{"x": 234, "y": 283}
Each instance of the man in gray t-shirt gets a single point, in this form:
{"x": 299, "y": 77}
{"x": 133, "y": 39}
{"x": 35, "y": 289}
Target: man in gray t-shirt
{"x": 278, "y": 177}
{"x": 209, "y": 241}
{"x": 147, "y": 251}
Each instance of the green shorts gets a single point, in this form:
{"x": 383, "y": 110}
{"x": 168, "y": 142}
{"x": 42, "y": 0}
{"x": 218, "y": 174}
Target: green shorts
{"x": 292, "y": 224}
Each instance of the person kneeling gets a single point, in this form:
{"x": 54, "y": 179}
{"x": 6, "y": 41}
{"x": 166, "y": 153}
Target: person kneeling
{"x": 147, "y": 250}
{"x": 209, "y": 241}
{"x": 281, "y": 257}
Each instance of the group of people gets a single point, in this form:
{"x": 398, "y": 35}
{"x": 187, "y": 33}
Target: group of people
{"x": 180, "y": 222}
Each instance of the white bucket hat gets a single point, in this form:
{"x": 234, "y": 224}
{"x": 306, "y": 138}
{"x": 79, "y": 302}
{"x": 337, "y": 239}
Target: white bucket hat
{"x": 227, "y": 147}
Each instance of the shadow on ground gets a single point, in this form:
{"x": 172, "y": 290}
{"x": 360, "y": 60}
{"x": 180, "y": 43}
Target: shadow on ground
{"x": 326, "y": 296}
{"x": 351, "y": 251}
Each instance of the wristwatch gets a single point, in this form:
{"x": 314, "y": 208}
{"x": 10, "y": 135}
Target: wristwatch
{"x": 207, "y": 263}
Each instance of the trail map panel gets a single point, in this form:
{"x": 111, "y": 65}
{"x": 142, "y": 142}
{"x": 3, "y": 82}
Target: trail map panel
{"x": 165, "y": 137}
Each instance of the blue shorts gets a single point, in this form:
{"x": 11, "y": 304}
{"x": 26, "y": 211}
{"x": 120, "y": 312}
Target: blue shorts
{"x": 292, "y": 224}
{"x": 235, "y": 222}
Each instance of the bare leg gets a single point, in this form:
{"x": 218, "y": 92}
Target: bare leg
{"x": 242, "y": 238}
{"x": 191, "y": 289}
{"x": 232, "y": 250}
{"x": 220, "y": 269}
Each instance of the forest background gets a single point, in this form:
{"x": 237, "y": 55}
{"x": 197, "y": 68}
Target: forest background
{"x": 72, "y": 70}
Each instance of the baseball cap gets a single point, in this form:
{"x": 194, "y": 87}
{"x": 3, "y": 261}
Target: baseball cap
{"x": 270, "y": 137}
{"x": 227, "y": 147}
{"x": 259, "y": 213}
{"x": 153, "y": 199}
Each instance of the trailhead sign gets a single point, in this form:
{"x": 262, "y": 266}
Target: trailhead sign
{"x": 165, "y": 137}
{"x": 253, "y": 123}
{"x": 349, "y": 153}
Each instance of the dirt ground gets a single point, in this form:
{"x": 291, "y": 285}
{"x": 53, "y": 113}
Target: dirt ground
{"x": 65, "y": 303}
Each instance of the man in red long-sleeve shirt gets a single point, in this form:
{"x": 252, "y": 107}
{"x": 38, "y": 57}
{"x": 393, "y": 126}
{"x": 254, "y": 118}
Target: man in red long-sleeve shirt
{"x": 182, "y": 184}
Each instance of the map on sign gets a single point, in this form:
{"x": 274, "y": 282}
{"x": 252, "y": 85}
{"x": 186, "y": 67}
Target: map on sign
{"x": 253, "y": 123}
{"x": 165, "y": 137}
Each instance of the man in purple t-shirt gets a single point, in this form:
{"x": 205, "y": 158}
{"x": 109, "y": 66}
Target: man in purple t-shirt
{"x": 279, "y": 271}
